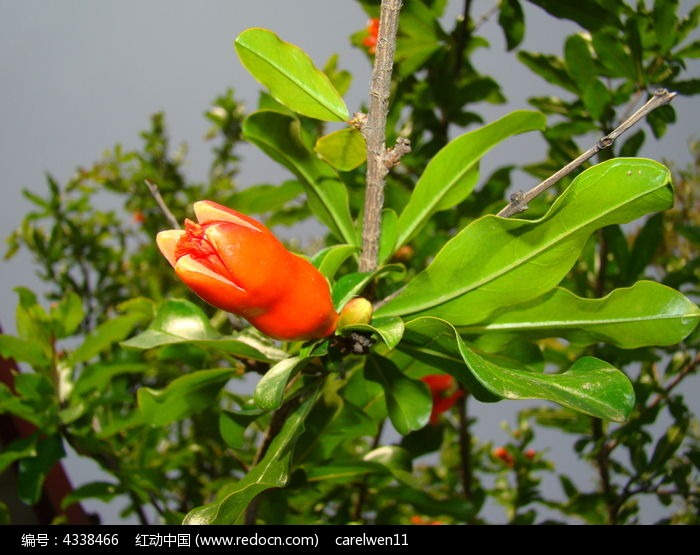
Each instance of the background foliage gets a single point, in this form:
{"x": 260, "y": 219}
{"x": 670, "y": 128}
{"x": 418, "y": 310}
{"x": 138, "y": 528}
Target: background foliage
{"x": 131, "y": 370}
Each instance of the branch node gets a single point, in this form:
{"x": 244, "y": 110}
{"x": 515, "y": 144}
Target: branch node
{"x": 393, "y": 155}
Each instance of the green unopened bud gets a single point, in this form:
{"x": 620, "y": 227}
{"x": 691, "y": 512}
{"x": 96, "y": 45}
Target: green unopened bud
{"x": 356, "y": 311}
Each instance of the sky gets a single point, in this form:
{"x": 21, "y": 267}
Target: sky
{"x": 79, "y": 76}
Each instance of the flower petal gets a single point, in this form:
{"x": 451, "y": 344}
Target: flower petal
{"x": 167, "y": 241}
{"x": 208, "y": 211}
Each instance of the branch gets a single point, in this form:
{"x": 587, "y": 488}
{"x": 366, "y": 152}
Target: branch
{"x": 153, "y": 188}
{"x": 519, "y": 200}
{"x": 374, "y": 132}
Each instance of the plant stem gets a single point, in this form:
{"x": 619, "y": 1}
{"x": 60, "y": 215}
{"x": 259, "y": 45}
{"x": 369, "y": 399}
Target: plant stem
{"x": 362, "y": 496}
{"x": 519, "y": 200}
{"x": 465, "y": 448}
{"x": 374, "y": 132}
{"x": 602, "y": 460}
{"x": 155, "y": 193}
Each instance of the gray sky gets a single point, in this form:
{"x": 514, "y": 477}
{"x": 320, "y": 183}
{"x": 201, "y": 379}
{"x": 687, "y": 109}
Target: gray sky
{"x": 79, "y": 76}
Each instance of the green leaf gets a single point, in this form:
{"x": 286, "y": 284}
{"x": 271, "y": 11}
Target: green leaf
{"x": 388, "y": 234}
{"x": 105, "y": 336}
{"x": 450, "y": 176}
{"x": 589, "y": 14}
{"x": 232, "y": 426}
{"x": 343, "y": 149}
{"x": 667, "y": 446}
{"x": 104, "y": 491}
{"x": 290, "y": 75}
{"x": 665, "y": 23}
{"x": 417, "y": 39}
{"x": 646, "y": 314}
{"x": 339, "y": 471}
{"x": 271, "y": 472}
{"x": 579, "y": 61}
{"x": 33, "y": 470}
{"x": 259, "y": 199}
{"x": 590, "y": 385}
{"x": 550, "y": 68}
{"x": 496, "y": 262}
{"x": 183, "y": 396}
{"x": 69, "y": 314}
{"x": 180, "y": 321}
{"x": 614, "y": 56}
{"x": 408, "y": 401}
{"x": 512, "y": 21}
{"x": 98, "y": 376}
{"x": 22, "y": 350}
{"x": 329, "y": 260}
{"x": 351, "y": 285}
{"x": 17, "y": 450}
{"x": 279, "y": 136}
{"x": 270, "y": 389}
{"x": 389, "y": 329}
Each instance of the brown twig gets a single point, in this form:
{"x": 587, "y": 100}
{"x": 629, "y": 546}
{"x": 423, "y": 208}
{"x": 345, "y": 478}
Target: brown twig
{"x": 519, "y": 200}
{"x": 374, "y": 132}
{"x": 153, "y": 188}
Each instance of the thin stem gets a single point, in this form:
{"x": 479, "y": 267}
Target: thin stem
{"x": 465, "y": 448}
{"x": 374, "y": 132}
{"x": 362, "y": 496}
{"x": 603, "y": 461}
{"x": 153, "y": 188}
{"x": 519, "y": 200}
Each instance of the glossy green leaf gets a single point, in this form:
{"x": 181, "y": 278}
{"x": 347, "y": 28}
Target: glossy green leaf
{"x": 352, "y": 285}
{"x": 646, "y": 314}
{"x": 184, "y": 396}
{"x": 180, "y": 321}
{"x": 408, "y": 401}
{"x": 389, "y": 234}
{"x": 495, "y": 262}
{"x": 270, "y": 389}
{"x": 271, "y": 472}
{"x": 290, "y": 75}
{"x": 330, "y": 259}
{"x": 450, "y": 176}
{"x": 590, "y": 385}
{"x": 279, "y": 136}
{"x": 665, "y": 23}
{"x": 389, "y": 329}
{"x": 339, "y": 471}
{"x": 232, "y": 426}
{"x": 344, "y": 149}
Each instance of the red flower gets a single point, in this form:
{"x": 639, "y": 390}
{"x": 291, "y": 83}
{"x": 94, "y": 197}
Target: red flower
{"x": 236, "y": 264}
{"x": 370, "y": 41}
{"x": 443, "y": 388}
{"x": 503, "y": 454}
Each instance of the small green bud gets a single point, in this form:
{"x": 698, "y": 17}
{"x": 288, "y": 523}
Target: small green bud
{"x": 356, "y": 311}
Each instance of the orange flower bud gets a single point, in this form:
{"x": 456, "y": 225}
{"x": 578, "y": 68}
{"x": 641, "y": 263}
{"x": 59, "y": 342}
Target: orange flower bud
{"x": 370, "y": 41}
{"x": 235, "y": 263}
{"x": 503, "y": 454}
{"x": 444, "y": 392}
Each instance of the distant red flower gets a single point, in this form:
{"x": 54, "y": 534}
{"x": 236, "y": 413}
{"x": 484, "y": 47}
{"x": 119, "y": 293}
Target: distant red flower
{"x": 139, "y": 217}
{"x": 419, "y": 520}
{"x": 530, "y": 453}
{"x": 443, "y": 388}
{"x": 503, "y": 454}
{"x": 370, "y": 41}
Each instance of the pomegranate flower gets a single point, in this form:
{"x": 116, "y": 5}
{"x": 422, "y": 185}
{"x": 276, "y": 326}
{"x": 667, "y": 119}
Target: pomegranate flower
{"x": 370, "y": 41}
{"x": 443, "y": 388}
{"x": 235, "y": 263}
